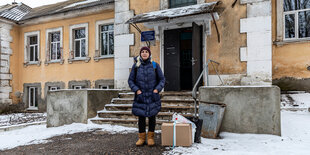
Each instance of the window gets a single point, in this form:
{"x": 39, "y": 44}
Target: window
{"x": 55, "y": 53}
{"x": 106, "y": 40}
{"x": 54, "y": 88}
{"x": 33, "y": 97}
{"x": 181, "y": 3}
{"x": 32, "y": 46}
{"x": 79, "y": 43}
{"x": 106, "y": 87}
{"x": 296, "y": 19}
{"x": 54, "y": 46}
{"x": 77, "y": 87}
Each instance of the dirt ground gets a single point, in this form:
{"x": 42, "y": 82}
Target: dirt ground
{"x": 93, "y": 142}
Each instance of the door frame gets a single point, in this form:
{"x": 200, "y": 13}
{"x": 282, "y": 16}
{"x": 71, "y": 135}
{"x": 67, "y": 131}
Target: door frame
{"x": 206, "y": 30}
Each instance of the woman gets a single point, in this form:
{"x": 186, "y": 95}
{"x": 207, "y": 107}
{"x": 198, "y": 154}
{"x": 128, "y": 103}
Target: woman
{"x": 146, "y": 80}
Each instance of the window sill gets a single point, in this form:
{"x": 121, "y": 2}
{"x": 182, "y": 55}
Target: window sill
{"x": 61, "y": 61}
{"x": 86, "y": 59}
{"x": 295, "y": 41}
{"x": 32, "y": 108}
{"x": 32, "y": 63}
{"x": 103, "y": 57}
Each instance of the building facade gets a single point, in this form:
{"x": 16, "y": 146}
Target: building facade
{"x": 80, "y": 44}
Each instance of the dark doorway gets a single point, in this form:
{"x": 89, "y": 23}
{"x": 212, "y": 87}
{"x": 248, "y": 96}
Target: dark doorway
{"x": 182, "y": 57}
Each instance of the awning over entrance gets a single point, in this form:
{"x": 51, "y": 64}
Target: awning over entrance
{"x": 169, "y": 14}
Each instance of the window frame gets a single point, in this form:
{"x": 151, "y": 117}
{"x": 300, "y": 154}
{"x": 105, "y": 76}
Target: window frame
{"x": 296, "y": 17}
{"x": 27, "y": 46}
{"x": 48, "y": 41}
{"x": 280, "y": 37}
{"x": 35, "y": 51}
{"x": 72, "y": 43}
{"x": 80, "y": 44}
{"x": 98, "y": 39}
{"x": 108, "y": 42}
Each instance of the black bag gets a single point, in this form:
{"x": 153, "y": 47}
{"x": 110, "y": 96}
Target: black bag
{"x": 198, "y": 123}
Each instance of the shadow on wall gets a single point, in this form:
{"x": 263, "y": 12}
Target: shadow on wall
{"x": 292, "y": 84}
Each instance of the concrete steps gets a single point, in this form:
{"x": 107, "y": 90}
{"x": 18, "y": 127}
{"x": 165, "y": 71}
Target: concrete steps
{"x": 119, "y": 111}
{"x": 129, "y": 115}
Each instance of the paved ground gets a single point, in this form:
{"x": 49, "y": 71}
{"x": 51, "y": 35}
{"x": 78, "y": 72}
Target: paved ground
{"x": 93, "y": 142}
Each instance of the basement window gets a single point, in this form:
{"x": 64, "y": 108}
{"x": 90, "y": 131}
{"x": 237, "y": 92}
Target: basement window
{"x": 106, "y": 87}
{"x": 296, "y": 19}
{"x": 181, "y": 3}
{"x": 77, "y": 87}
{"x": 32, "y": 46}
{"x": 53, "y": 88}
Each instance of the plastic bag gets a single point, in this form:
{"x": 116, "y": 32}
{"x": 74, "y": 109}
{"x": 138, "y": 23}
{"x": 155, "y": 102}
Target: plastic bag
{"x": 181, "y": 119}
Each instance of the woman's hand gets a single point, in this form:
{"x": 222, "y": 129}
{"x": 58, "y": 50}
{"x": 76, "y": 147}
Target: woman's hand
{"x": 139, "y": 92}
{"x": 155, "y": 91}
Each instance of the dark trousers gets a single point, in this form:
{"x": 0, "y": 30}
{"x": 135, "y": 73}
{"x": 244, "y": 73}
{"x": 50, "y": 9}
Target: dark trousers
{"x": 152, "y": 123}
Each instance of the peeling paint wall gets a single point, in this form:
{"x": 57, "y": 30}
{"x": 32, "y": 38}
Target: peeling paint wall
{"x": 227, "y": 52}
{"x": 290, "y": 60}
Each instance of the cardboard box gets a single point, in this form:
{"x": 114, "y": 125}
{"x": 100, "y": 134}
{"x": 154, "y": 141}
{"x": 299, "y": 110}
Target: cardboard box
{"x": 183, "y": 134}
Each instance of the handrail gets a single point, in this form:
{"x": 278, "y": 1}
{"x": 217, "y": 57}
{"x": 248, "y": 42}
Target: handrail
{"x": 194, "y": 91}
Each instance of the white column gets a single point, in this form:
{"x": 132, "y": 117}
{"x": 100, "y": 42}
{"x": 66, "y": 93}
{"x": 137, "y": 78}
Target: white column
{"x": 123, "y": 39}
{"x": 258, "y": 52}
{"x": 6, "y": 52}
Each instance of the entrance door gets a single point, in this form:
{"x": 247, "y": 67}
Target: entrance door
{"x": 182, "y": 57}
{"x": 172, "y": 60}
{"x": 196, "y": 53}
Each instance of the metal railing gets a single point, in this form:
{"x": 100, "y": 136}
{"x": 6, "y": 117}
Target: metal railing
{"x": 205, "y": 68}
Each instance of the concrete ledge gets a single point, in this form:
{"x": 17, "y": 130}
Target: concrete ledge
{"x": 20, "y": 126}
{"x": 76, "y": 106}
{"x": 250, "y": 109}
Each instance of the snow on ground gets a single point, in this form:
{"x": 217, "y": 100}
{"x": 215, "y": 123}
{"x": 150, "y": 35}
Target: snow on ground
{"x": 295, "y": 140}
{"x": 21, "y": 118}
{"x": 38, "y": 133}
{"x": 300, "y": 100}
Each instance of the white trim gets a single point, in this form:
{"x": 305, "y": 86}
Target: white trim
{"x": 77, "y": 26}
{"x": 26, "y": 55}
{"x": 47, "y": 50}
{"x": 99, "y": 23}
{"x": 280, "y": 21}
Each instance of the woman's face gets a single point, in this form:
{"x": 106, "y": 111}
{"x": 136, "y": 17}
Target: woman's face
{"x": 145, "y": 54}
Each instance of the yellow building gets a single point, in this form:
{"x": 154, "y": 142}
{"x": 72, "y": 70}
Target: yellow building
{"x": 80, "y": 44}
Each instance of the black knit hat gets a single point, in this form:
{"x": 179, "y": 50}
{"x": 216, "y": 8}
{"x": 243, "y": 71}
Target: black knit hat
{"x": 145, "y": 48}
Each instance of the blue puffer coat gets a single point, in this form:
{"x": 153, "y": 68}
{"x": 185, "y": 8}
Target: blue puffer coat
{"x": 148, "y": 103}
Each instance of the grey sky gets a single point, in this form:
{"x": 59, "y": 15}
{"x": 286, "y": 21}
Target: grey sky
{"x": 31, "y": 3}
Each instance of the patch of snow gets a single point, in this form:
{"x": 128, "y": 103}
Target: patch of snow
{"x": 39, "y": 133}
{"x": 295, "y": 139}
{"x": 296, "y": 101}
{"x": 80, "y": 3}
{"x": 21, "y": 118}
